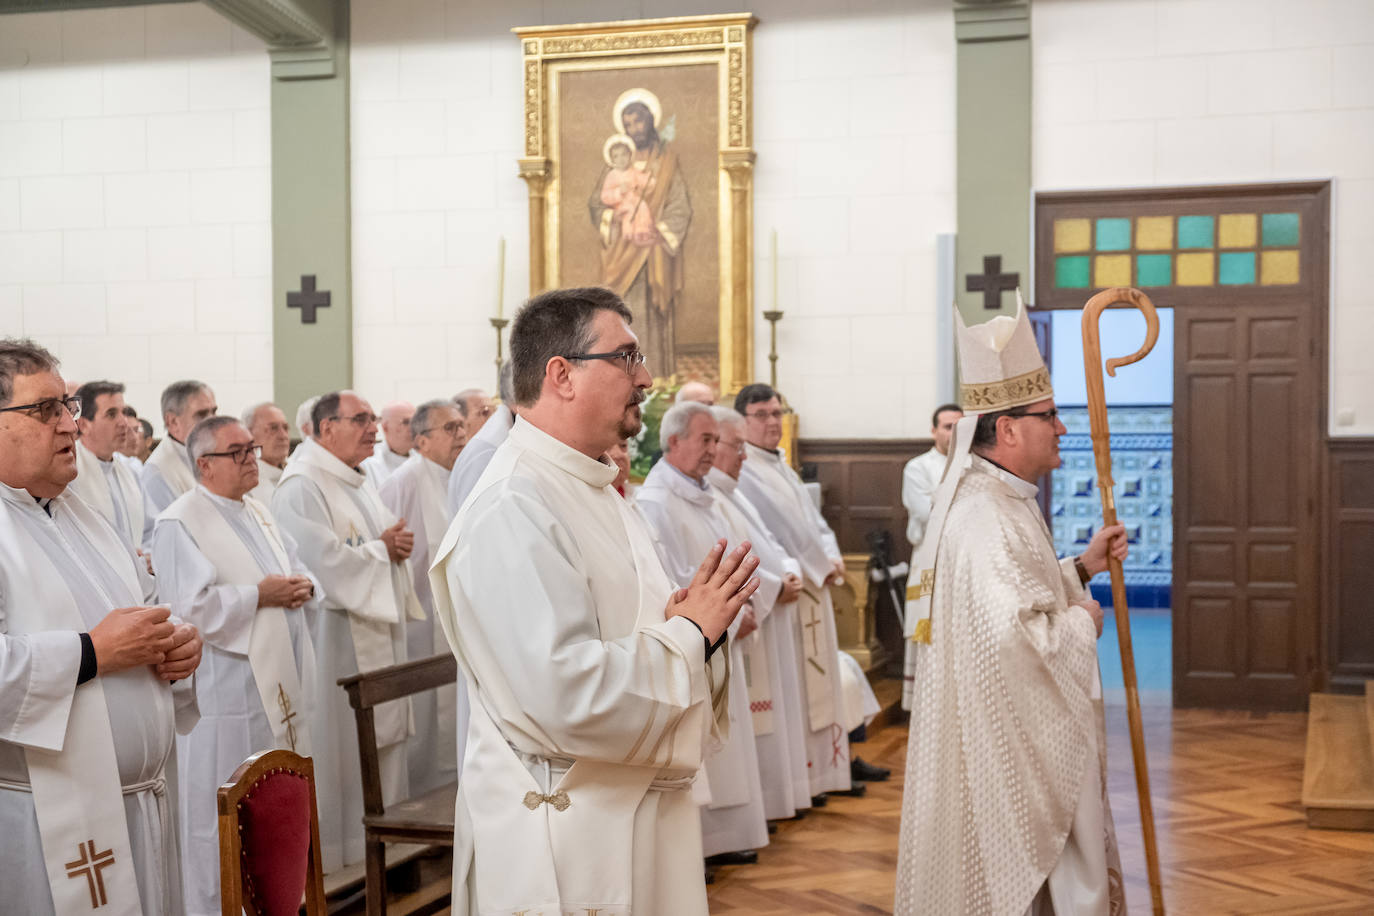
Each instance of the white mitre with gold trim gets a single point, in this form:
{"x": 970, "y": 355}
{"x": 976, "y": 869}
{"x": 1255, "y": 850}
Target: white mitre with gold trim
{"x": 1000, "y": 368}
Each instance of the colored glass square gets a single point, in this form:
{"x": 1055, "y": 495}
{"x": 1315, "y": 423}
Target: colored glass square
{"x": 1235, "y": 268}
{"x": 1237, "y": 230}
{"x": 1154, "y": 270}
{"x": 1113, "y": 234}
{"x": 1112, "y": 270}
{"x": 1071, "y": 272}
{"x": 1154, "y": 233}
{"x": 1195, "y": 231}
{"x": 1073, "y": 234}
{"x": 1280, "y": 229}
{"x": 1278, "y": 268}
{"x": 1196, "y": 269}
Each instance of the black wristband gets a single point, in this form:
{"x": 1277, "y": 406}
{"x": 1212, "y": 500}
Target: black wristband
{"x": 710, "y": 648}
{"x": 88, "y": 663}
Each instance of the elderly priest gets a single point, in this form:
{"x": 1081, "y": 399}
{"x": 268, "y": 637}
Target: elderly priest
{"x": 225, "y": 566}
{"x": 416, "y": 492}
{"x": 1008, "y": 750}
{"x": 108, "y": 485}
{"x": 167, "y": 474}
{"x": 596, "y": 686}
{"x": 357, "y": 550}
{"x": 266, "y": 423}
{"x": 682, "y": 510}
{"x": 93, "y": 681}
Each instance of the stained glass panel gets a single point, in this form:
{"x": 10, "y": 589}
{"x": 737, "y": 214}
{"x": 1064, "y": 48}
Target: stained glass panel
{"x": 1196, "y": 268}
{"x": 1071, "y": 272}
{"x": 1235, "y": 268}
{"x": 1072, "y": 235}
{"x": 1154, "y": 233}
{"x": 1154, "y": 270}
{"x": 1195, "y": 231}
{"x": 1278, "y": 268}
{"x": 1112, "y": 270}
{"x": 1237, "y": 230}
{"x": 1280, "y": 229}
{"x": 1113, "y": 234}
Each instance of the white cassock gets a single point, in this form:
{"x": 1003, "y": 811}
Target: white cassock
{"x": 590, "y": 712}
{"x": 335, "y": 516}
{"x": 476, "y": 455}
{"x": 687, "y": 521}
{"x": 781, "y": 743}
{"x": 255, "y": 669}
{"x": 789, "y": 512}
{"x": 416, "y": 494}
{"x": 111, "y": 489}
{"x": 269, "y": 475}
{"x": 383, "y": 463}
{"x": 167, "y": 474}
{"x": 1011, "y": 760}
{"x": 130, "y": 462}
{"x": 920, "y": 477}
{"x": 87, "y": 773}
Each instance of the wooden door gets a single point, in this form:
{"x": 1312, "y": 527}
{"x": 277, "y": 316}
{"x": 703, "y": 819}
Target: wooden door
{"x": 1245, "y": 510}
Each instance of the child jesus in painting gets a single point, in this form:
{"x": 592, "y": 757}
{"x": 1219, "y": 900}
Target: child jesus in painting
{"x": 624, "y": 188}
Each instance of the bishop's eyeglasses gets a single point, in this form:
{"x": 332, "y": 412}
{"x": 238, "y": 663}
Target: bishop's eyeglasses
{"x": 630, "y": 359}
{"x": 48, "y": 409}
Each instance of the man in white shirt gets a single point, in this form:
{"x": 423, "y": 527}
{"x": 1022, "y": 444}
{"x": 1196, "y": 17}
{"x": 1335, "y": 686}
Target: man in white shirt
{"x": 482, "y": 444}
{"x": 228, "y": 568}
{"x": 266, "y": 423}
{"x": 133, "y": 447}
{"x": 416, "y": 492}
{"x": 105, "y": 483}
{"x": 395, "y": 445}
{"x": 595, "y": 685}
{"x": 922, "y": 474}
{"x": 167, "y": 473}
{"x": 476, "y": 406}
{"x": 93, "y": 681}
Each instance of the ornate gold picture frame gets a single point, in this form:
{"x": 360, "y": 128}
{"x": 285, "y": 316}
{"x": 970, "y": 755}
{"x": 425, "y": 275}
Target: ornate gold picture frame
{"x": 639, "y": 163}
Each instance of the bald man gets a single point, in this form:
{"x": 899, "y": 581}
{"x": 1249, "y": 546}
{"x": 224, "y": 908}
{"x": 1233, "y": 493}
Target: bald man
{"x": 696, "y": 391}
{"x": 394, "y": 445}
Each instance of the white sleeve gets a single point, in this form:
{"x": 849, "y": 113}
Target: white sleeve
{"x": 38, "y": 674}
{"x": 186, "y": 580}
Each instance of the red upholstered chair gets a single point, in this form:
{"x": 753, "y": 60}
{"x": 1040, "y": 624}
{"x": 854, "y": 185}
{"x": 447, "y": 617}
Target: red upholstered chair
{"x": 269, "y": 838}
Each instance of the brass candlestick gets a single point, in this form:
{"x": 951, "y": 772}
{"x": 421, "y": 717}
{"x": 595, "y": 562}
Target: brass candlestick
{"x": 773, "y": 316}
{"x": 500, "y": 325}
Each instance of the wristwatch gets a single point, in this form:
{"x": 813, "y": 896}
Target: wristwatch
{"x": 1083, "y": 574}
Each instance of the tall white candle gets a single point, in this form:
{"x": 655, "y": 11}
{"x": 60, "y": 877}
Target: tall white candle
{"x": 775, "y": 269}
{"x": 500, "y": 277}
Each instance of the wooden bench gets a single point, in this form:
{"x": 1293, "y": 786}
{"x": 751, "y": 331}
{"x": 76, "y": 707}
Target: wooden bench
{"x": 426, "y": 818}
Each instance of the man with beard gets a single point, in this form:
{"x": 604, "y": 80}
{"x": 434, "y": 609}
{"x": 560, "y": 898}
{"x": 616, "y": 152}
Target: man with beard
{"x": 357, "y": 550}
{"x": 647, "y": 271}
{"x": 596, "y": 687}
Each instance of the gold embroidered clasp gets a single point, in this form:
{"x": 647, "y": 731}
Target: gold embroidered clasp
{"x": 926, "y": 586}
{"x": 559, "y": 800}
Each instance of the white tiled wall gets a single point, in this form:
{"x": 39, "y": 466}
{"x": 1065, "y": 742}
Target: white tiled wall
{"x": 135, "y": 225}
{"x": 1133, "y": 93}
{"x": 854, "y": 128}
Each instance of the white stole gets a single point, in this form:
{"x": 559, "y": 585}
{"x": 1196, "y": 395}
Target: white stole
{"x": 371, "y": 623}
{"x": 753, "y": 649}
{"x": 269, "y": 645}
{"x": 174, "y": 469}
{"x": 90, "y": 484}
{"x": 77, "y": 796}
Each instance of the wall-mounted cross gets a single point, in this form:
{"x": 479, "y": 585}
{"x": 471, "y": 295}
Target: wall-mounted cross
{"x": 992, "y": 282}
{"x": 308, "y": 299}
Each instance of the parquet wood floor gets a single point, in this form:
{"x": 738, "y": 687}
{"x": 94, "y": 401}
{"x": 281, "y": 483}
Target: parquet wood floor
{"x": 1226, "y": 787}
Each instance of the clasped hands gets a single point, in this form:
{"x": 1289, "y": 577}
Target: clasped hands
{"x": 399, "y": 541}
{"x": 145, "y": 635}
{"x": 721, "y": 587}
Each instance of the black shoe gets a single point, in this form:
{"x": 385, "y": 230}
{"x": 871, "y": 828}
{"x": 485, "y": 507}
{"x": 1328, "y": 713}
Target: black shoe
{"x": 818, "y": 801}
{"x": 710, "y": 876}
{"x": 743, "y": 857}
{"x": 855, "y": 790}
{"x": 861, "y": 770}
{"x": 772, "y": 829}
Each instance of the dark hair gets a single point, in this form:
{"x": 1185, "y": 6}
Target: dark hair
{"x": 935, "y": 417}
{"x": 985, "y": 433}
{"x": 756, "y": 393}
{"x": 647, "y": 114}
{"x": 146, "y": 427}
{"x": 88, "y": 393}
{"x": 20, "y": 356}
{"x": 130, "y": 412}
{"x": 326, "y": 408}
{"x": 555, "y": 323}
{"x": 175, "y": 395}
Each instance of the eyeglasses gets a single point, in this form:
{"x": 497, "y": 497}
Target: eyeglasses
{"x": 736, "y": 447}
{"x": 452, "y": 428}
{"x": 764, "y": 415}
{"x": 242, "y": 455}
{"x": 361, "y": 419}
{"x": 632, "y": 359}
{"x": 49, "y": 409}
{"x": 1049, "y": 416}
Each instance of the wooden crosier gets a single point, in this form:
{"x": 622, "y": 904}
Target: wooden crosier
{"x": 1102, "y": 452}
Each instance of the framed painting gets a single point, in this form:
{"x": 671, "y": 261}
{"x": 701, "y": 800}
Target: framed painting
{"x": 639, "y": 164}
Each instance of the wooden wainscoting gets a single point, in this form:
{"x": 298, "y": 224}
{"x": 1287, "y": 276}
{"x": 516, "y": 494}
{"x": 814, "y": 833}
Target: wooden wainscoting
{"x": 1348, "y": 624}
{"x": 861, "y": 487}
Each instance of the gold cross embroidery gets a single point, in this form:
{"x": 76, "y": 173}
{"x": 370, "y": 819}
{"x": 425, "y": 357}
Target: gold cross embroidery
{"x": 287, "y": 714}
{"x": 559, "y": 800}
{"x": 810, "y": 626}
{"x": 926, "y": 586}
{"x": 89, "y": 866}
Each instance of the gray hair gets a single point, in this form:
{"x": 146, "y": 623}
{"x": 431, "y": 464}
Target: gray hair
{"x": 304, "y": 425}
{"x": 251, "y": 414}
{"x": 420, "y": 421}
{"x": 175, "y": 396}
{"x": 202, "y": 438}
{"x": 555, "y": 323}
{"x": 678, "y": 419}
{"x": 505, "y": 384}
{"x": 728, "y": 416}
{"x": 20, "y": 356}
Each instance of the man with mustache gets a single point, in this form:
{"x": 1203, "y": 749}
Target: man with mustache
{"x": 596, "y": 687}
{"x": 357, "y": 550}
